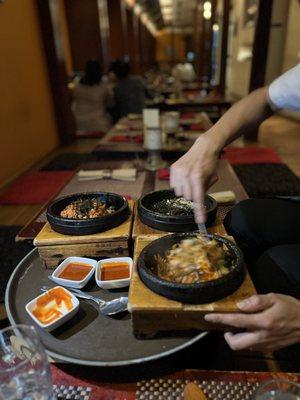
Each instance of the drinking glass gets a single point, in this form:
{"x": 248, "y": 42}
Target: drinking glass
{"x": 278, "y": 389}
{"x": 24, "y": 369}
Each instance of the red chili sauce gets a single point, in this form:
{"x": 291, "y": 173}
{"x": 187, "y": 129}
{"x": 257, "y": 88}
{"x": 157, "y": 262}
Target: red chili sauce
{"x": 111, "y": 271}
{"x": 75, "y": 271}
{"x": 49, "y": 307}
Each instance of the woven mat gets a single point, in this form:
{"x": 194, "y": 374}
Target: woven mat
{"x": 132, "y": 189}
{"x": 35, "y": 187}
{"x": 11, "y": 253}
{"x": 217, "y": 385}
{"x": 268, "y": 180}
{"x": 68, "y": 161}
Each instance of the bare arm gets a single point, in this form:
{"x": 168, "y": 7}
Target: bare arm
{"x": 193, "y": 173}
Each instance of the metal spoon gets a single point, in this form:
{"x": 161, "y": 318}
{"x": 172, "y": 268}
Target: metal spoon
{"x": 105, "y": 307}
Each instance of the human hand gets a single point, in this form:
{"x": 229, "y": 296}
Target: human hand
{"x": 271, "y": 321}
{"x": 195, "y": 172}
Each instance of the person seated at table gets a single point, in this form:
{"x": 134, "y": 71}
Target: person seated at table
{"x": 267, "y": 230}
{"x": 91, "y": 98}
{"x": 129, "y": 91}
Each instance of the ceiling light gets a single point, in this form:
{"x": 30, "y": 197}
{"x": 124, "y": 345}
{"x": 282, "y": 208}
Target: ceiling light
{"x": 207, "y": 6}
{"x": 164, "y": 3}
{"x": 137, "y": 9}
{"x": 207, "y": 14}
{"x": 215, "y": 27}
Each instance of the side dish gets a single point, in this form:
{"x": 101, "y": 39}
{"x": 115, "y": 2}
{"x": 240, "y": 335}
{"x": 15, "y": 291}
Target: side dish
{"x": 52, "y": 305}
{"x": 51, "y": 309}
{"x": 195, "y": 260}
{"x": 114, "y": 270}
{"x": 75, "y": 271}
{"x": 113, "y": 273}
{"x": 86, "y": 208}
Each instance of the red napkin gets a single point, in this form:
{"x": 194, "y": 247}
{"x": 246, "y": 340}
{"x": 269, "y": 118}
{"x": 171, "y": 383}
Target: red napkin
{"x": 188, "y": 115}
{"x": 163, "y": 174}
{"x": 127, "y": 139}
{"x": 119, "y": 138}
{"x": 250, "y": 155}
{"x": 127, "y": 197}
{"x": 197, "y": 127}
{"x": 138, "y": 138}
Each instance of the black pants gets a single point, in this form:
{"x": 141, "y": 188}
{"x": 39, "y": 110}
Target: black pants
{"x": 268, "y": 232}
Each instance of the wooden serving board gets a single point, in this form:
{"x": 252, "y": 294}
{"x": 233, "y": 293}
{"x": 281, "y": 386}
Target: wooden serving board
{"x": 152, "y": 313}
{"x": 141, "y": 230}
{"x": 54, "y": 247}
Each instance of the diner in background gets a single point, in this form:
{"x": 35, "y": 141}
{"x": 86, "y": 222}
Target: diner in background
{"x": 91, "y": 99}
{"x": 266, "y": 230}
{"x": 129, "y": 91}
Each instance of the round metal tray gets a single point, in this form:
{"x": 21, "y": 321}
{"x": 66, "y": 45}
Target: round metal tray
{"x": 89, "y": 338}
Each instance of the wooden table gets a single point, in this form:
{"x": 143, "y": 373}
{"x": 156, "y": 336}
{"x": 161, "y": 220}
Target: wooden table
{"x": 227, "y": 181}
{"x": 109, "y": 149}
{"x": 207, "y": 104}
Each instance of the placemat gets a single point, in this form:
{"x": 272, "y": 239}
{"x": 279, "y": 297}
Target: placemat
{"x": 68, "y": 161}
{"x": 268, "y": 180}
{"x": 35, "y": 187}
{"x": 132, "y": 189}
{"x": 250, "y": 155}
{"x": 11, "y": 253}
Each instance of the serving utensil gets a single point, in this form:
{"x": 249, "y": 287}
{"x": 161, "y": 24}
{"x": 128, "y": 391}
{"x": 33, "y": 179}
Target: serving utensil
{"x": 105, "y": 307}
{"x": 201, "y": 227}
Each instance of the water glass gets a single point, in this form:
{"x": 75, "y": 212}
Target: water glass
{"x": 24, "y": 368}
{"x": 278, "y": 389}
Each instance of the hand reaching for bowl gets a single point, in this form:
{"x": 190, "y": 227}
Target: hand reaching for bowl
{"x": 195, "y": 172}
{"x": 271, "y": 321}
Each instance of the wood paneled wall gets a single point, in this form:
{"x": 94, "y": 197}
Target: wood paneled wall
{"x": 117, "y": 35}
{"x": 27, "y": 118}
{"x": 107, "y": 30}
{"x": 84, "y": 31}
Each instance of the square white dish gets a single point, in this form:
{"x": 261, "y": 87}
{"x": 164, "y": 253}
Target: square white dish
{"x": 65, "y": 316}
{"x": 113, "y": 284}
{"x": 69, "y": 282}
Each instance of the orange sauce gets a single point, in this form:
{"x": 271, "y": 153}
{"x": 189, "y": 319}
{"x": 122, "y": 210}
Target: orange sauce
{"x": 50, "y": 306}
{"x": 114, "y": 270}
{"x": 75, "y": 271}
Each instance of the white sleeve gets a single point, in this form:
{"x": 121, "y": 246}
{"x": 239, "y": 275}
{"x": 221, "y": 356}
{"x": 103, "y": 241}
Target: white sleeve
{"x": 284, "y": 92}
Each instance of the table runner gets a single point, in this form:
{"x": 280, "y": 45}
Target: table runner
{"x": 132, "y": 189}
